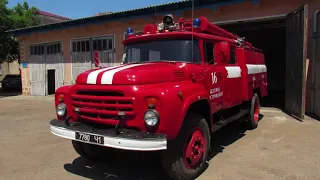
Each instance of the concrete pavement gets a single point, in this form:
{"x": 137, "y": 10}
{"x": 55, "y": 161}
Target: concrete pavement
{"x": 281, "y": 148}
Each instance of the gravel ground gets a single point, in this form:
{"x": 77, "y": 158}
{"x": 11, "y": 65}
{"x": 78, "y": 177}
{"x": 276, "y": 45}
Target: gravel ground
{"x": 281, "y": 148}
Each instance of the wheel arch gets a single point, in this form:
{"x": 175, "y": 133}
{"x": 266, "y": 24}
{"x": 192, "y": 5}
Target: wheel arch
{"x": 201, "y": 106}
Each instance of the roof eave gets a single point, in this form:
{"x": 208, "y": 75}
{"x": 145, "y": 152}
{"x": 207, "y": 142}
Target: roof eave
{"x": 174, "y": 6}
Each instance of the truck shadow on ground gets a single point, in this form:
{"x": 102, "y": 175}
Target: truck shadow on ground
{"x": 126, "y": 165}
{"x": 121, "y": 166}
{"x": 225, "y": 137}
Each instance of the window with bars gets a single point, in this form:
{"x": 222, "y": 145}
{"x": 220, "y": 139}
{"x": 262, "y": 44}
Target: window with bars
{"x": 53, "y": 48}
{"x": 81, "y": 46}
{"x": 37, "y": 50}
{"x": 102, "y": 44}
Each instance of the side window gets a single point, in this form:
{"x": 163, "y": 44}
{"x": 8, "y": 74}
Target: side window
{"x": 208, "y": 47}
{"x": 232, "y": 55}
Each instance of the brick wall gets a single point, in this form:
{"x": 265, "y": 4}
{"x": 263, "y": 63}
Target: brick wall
{"x": 24, "y": 71}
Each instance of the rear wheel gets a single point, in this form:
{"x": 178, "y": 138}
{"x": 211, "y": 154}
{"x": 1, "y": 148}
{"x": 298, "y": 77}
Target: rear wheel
{"x": 186, "y": 155}
{"x": 254, "y": 113}
{"x": 90, "y": 151}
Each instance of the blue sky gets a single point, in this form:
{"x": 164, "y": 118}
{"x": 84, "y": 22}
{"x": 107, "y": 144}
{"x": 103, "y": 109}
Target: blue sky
{"x": 83, "y": 8}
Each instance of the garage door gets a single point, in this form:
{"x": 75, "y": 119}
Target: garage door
{"x": 37, "y": 70}
{"x": 82, "y": 53}
{"x": 44, "y": 57}
{"x": 104, "y": 47}
{"x": 54, "y": 61}
{"x": 80, "y": 57}
{"x": 296, "y": 62}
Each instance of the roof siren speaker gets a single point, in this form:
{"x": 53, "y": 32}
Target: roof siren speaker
{"x": 168, "y": 20}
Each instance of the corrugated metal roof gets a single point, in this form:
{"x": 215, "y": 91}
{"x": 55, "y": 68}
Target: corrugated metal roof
{"x": 180, "y": 5}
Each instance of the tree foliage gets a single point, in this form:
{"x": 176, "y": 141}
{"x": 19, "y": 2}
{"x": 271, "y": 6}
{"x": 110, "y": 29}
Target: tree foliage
{"x": 19, "y": 16}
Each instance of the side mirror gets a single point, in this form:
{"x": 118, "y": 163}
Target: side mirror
{"x": 221, "y": 52}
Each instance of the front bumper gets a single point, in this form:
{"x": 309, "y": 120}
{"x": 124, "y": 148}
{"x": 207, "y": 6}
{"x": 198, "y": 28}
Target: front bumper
{"x": 127, "y": 140}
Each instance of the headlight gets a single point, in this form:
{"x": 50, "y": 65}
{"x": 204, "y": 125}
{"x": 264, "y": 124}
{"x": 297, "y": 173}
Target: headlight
{"x": 61, "y": 109}
{"x": 160, "y": 26}
{"x": 151, "y": 117}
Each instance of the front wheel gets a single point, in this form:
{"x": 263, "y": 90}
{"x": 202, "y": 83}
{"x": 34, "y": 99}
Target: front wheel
{"x": 186, "y": 155}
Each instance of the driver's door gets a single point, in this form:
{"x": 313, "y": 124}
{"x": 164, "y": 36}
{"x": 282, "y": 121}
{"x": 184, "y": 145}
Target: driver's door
{"x": 213, "y": 77}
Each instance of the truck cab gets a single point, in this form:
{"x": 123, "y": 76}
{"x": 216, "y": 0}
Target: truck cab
{"x": 178, "y": 83}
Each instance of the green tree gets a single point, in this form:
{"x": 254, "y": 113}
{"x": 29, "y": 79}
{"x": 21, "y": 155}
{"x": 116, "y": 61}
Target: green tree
{"x": 20, "y": 16}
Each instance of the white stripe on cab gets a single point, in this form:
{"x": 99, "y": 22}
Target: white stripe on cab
{"x": 107, "y": 77}
{"x": 92, "y": 77}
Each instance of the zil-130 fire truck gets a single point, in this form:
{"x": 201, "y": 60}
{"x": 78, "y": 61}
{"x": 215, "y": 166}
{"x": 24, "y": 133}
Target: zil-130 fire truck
{"x": 178, "y": 83}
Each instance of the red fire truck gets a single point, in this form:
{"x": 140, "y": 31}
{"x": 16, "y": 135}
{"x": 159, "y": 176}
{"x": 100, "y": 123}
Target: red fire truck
{"x": 178, "y": 82}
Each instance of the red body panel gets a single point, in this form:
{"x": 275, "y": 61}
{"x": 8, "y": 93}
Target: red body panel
{"x": 100, "y": 94}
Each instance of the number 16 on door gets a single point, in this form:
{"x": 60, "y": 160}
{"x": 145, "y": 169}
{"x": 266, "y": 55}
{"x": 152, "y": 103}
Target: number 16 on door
{"x": 214, "y": 78}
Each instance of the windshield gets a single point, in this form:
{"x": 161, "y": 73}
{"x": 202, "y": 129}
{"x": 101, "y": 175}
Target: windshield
{"x": 164, "y": 50}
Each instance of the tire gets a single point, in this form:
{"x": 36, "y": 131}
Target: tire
{"x": 254, "y": 113}
{"x": 176, "y": 159}
{"x": 90, "y": 151}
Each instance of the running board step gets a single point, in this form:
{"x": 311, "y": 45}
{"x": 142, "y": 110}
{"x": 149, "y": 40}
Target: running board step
{"x": 230, "y": 119}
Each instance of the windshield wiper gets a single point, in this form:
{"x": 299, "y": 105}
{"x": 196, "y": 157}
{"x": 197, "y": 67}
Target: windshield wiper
{"x": 139, "y": 62}
{"x": 170, "y": 62}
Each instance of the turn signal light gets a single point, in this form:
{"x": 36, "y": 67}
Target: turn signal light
{"x": 152, "y": 102}
{"x": 60, "y": 97}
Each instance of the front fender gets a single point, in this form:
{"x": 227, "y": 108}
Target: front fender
{"x": 176, "y": 98}
{"x": 189, "y": 101}
{"x": 65, "y": 90}
{"x": 191, "y": 93}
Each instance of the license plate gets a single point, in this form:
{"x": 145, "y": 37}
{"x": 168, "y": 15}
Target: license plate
{"x": 89, "y": 138}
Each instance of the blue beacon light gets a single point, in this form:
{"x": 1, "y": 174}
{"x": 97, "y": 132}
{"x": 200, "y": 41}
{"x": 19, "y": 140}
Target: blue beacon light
{"x": 129, "y": 31}
{"x": 196, "y": 22}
